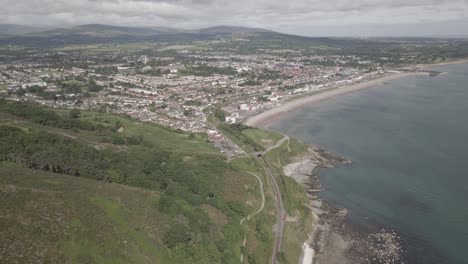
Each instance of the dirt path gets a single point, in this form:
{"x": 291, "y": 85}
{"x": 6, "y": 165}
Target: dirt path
{"x": 257, "y": 212}
{"x": 278, "y": 144}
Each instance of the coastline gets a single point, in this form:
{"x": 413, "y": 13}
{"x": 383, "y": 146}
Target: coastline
{"x": 334, "y": 239}
{"x": 264, "y": 118}
{"x": 271, "y": 115}
{"x": 461, "y": 61}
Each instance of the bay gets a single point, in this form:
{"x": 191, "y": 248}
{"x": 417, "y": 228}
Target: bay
{"x": 408, "y": 143}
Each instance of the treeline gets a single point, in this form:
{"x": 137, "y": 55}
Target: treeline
{"x": 41, "y": 116}
{"x": 236, "y": 131}
{"x": 250, "y": 83}
{"x": 106, "y": 70}
{"x": 205, "y": 70}
{"x": 80, "y": 85}
{"x": 49, "y": 152}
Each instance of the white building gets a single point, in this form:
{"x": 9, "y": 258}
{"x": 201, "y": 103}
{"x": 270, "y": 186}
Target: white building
{"x": 232, "y": 118}
{"x": 27, "y": 85}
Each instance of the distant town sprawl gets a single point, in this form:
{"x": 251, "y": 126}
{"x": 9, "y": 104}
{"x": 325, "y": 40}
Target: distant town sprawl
{"x": 182, "y": 90}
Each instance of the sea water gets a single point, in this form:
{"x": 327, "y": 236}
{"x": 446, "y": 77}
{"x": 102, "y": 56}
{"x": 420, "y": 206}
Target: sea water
{"x": 408, "y": 140}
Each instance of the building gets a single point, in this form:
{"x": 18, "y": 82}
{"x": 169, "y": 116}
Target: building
{"x": 27, "y": 85}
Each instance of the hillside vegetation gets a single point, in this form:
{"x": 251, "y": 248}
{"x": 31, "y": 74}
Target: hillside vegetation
{"x": 90, "y": 187}
{"x": 87, "y": 187}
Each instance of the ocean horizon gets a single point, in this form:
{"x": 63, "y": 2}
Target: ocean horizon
{"x": 406, "y": 139}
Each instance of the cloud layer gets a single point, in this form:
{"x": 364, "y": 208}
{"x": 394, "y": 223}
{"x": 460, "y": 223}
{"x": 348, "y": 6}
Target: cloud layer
{"x": 273, "y": 14}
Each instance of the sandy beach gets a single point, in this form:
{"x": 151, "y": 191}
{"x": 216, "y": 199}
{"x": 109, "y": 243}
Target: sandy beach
{"x": 461, "y": 61}
{"x": 271, "y": 115}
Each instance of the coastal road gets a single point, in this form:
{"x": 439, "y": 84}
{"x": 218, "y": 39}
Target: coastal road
{"x": 280, "y": 212}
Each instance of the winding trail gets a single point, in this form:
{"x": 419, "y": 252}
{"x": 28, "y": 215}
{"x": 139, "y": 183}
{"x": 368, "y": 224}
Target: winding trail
{"x": 278, "y": 144}
{"x": 253, "y": 214}
{"x": 280, "y": 212}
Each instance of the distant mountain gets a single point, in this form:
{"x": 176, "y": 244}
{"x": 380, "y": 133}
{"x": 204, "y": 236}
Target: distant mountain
{"x": 100, "y": 30}
{"x": 99, "y": 33}
{"x": 14, "y": 29}
{"x": 231, "y": 30}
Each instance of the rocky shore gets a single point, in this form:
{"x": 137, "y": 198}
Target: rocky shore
{"x": 334, "y": 239}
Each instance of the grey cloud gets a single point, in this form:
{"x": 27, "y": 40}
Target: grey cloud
{"x": 262, "y": 13}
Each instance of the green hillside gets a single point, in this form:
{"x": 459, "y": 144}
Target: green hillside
{"x": 87, "y": 187}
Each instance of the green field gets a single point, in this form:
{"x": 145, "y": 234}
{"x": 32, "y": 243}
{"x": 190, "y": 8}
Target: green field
{"x": 99, "y": 48}
{"x": 262, "y": 137}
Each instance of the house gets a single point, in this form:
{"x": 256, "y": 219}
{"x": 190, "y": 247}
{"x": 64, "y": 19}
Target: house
{"x": 232, "y": 118}
{"x": 27, "y": 85}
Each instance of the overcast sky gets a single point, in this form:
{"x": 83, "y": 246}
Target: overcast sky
{"x": 305, "y": 17}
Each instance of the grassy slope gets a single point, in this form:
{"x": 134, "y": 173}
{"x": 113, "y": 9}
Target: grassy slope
{"x": 160, "y": 136}
{"x": 58, "y": 218}
{"x": 294, "y": 196}
{"x": 71, "y": 219}
{"x": 263, "y": 137}
{"x": 258, "y": 244}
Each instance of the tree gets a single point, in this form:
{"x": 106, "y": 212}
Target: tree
{"x": 20, "y": 92}
{"x": 177, "y": 234}
{"x": 187, "y": 112}
{"x": 191, "y": 136}
{"x": 282, "y": 257}
{"x": 220, "y": 114}
{"x": 75, "y": 113}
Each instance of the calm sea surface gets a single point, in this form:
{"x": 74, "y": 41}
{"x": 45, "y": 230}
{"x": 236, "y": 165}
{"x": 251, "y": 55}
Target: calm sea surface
{"x": 408, "y": 140}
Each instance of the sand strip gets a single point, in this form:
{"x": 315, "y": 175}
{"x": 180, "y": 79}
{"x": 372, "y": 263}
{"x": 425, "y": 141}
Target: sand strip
{"x": 266, "y": 117}
{"x": 308, "y": 254}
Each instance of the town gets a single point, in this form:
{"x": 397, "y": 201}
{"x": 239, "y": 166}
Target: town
{"x": 181, "y": 91}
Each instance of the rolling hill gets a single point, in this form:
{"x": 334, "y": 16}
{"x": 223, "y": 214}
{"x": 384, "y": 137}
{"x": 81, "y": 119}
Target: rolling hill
{"x": 100, "y": 30}
{"x": 14, "y": 29}
{"x": 98, "y": 33}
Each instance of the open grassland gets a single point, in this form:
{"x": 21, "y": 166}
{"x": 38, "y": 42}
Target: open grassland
{"x": 178, "y": 47}
{"x": 161, "y": 137}
{"x": 262, "y": 137}
{"x": 97, "y": 48}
